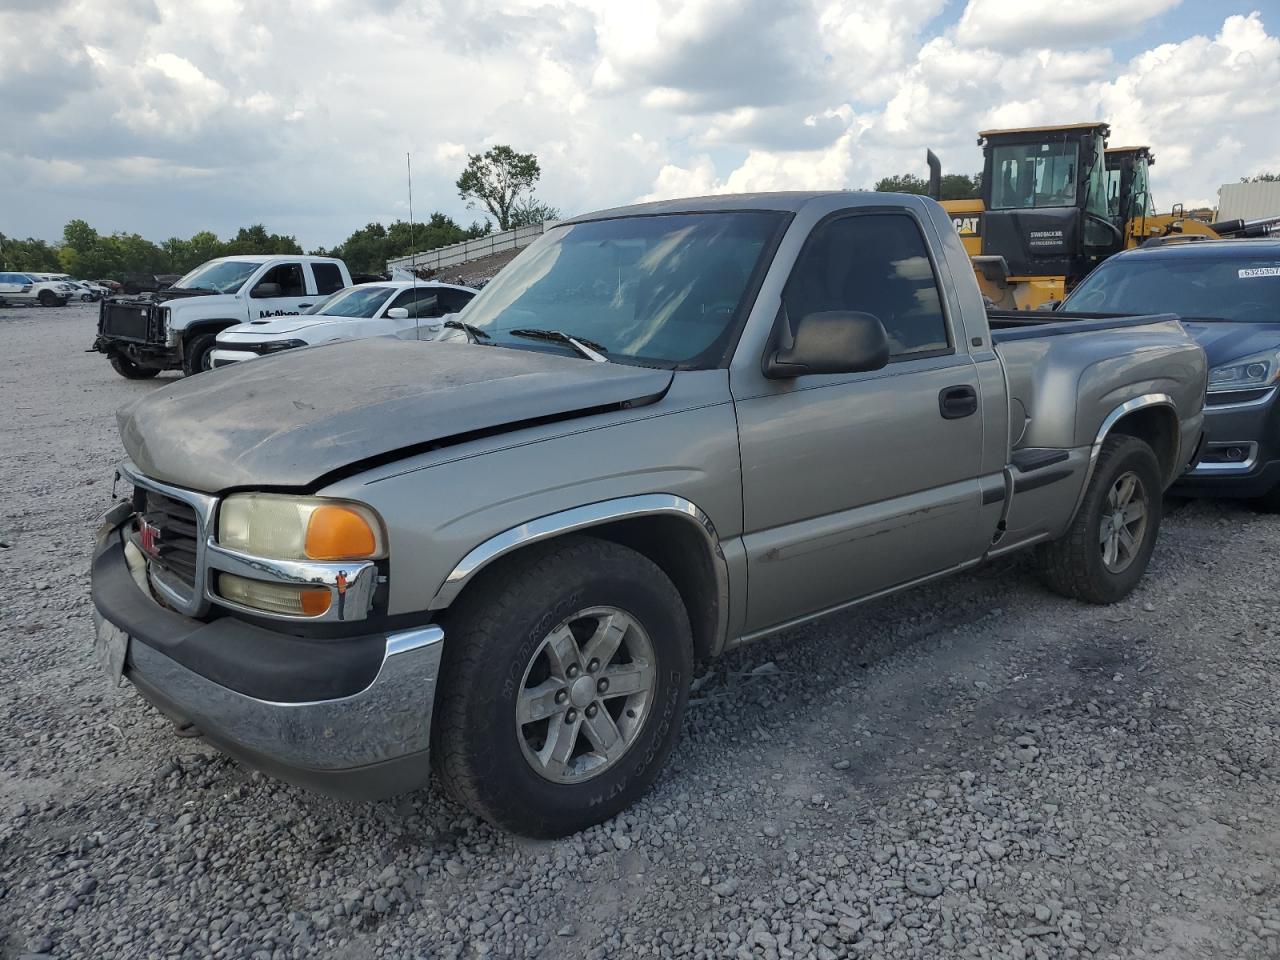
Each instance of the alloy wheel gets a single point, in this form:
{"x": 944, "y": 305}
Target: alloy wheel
{"x": 585, "y": 695}
{"x": 1124, "y": 522}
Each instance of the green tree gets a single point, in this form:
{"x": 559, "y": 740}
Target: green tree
{"x": 1261, "y": 178}
{"x": 530, "y": 211}
{"x": 29, "y": 254}
{"x": 497, "y": 179}
{"x": 255, "y": 239}
{"x": 78, "y": 235}
{"x": 955, "y": 186}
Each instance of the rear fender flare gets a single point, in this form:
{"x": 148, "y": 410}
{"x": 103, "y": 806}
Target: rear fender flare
{"x": 1143, "y": 402}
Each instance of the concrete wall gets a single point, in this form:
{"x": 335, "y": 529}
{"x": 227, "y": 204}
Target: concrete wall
{"x": 451, "y": 256}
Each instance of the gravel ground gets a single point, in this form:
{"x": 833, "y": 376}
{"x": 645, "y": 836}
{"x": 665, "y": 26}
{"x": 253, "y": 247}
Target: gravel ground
{"x": 975, "y": 769}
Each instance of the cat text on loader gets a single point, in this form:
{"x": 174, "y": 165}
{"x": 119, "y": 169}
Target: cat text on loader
{"x": 1042, "y": 222}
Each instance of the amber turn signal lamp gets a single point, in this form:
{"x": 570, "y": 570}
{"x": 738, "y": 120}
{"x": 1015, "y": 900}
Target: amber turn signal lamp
{"x": 337, "y": 532}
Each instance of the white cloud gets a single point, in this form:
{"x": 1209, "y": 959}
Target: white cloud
{"x": 1017, "y": 24}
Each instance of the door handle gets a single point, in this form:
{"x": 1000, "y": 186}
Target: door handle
{"x": 303, "y": 306}
{"x": 957, "y": 402}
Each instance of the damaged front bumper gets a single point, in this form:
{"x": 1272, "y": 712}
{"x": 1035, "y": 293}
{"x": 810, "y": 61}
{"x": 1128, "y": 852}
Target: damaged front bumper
{"x": 350, "y": 717}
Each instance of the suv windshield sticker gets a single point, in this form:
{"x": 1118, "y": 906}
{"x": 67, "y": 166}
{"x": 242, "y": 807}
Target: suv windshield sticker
{"x": 1247, "y": 272}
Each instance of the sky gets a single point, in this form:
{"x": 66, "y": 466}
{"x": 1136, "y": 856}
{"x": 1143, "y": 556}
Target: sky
{"x": 165, "y": 117}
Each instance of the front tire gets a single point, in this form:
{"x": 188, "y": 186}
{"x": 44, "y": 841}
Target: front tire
{"x": 565, "y": 675}
{"x": 1105, "y": 551}
{"x": 195, "y": 353}
{"x": 48, "y": 298}
{"x": 130, "y": 370}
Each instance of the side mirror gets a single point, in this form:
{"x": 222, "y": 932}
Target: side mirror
{"x": 832, "y": 341}
{"x": 398, "y": 313}
{"x": 264, "y": 290}
{"x": 1050, "y": 305}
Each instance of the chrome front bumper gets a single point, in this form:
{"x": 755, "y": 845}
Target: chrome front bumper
{"x": 371, "y": 740}
{"x": 372, "y": 744}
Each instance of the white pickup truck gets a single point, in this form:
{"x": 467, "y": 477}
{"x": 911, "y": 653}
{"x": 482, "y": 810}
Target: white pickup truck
{"x": 176, "y": 328}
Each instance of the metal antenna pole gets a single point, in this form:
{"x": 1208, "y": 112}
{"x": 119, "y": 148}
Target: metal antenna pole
{"x": 413, "y": 246}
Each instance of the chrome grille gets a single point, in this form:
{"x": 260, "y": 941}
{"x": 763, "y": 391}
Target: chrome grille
{"x": 178, "y": 540}
{"x": 171, "y": 525}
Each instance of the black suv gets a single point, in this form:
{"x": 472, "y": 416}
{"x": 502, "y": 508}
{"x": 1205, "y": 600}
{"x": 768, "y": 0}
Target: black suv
{"x": 1227, "y": 293}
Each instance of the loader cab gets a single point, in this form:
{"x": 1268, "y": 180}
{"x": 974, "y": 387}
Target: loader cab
{"x": 1045, "y": 201}
{"x": 1129, "y": 184}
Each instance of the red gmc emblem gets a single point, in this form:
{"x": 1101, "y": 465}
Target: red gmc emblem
{"x": 149, "y": 538}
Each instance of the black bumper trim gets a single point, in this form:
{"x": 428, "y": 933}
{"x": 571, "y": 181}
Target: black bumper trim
{"x": 240, "y": 656}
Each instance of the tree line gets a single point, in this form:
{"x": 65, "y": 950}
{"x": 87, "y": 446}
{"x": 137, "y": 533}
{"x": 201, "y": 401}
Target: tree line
{"x": 500, "y": 180}
{"x": 86, "y": 253}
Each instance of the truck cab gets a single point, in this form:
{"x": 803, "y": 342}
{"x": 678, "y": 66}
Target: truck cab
{"x": 175, "y": 329}
{"x": 1129, "y": 184}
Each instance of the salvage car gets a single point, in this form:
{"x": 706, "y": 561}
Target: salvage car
{"x": 405, "y": 309}
{"x": 176, "y": 329}
{"x": 1227, "y": 293}
{"x": 660, "y": 432}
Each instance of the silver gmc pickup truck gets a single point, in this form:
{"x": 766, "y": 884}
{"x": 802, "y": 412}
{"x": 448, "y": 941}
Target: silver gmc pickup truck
{"x": 660, "y": 432}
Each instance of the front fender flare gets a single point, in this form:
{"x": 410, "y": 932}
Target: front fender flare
{"x": 577, "y": 519}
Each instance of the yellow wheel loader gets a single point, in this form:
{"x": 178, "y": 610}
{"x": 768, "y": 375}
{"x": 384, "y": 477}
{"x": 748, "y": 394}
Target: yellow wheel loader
{"x": 1055, "y": 202}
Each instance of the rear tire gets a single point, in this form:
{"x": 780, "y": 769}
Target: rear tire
{"x": 130, "y": 370}
{"x": 1105, "y": 551}
{"x": 543, "y": 636}
{"x": 195, "y": 353}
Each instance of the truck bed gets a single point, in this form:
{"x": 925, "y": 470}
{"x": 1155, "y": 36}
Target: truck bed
{"x": 1010, "y": 325}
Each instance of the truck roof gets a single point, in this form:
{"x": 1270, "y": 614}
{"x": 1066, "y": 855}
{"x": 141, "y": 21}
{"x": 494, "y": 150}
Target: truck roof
{"x": 268, "y": 257}
{"x": 786, "y": 201}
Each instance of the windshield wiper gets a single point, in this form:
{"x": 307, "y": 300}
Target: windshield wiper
{"x": 474, "y": 333}
{"x": 588, "y": 348}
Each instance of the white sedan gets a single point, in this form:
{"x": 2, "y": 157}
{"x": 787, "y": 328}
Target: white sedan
{"x": 406, "y": 309}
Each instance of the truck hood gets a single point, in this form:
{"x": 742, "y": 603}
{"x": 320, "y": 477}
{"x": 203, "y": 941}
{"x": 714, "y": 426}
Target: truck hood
{"x": 1227, "y": 340}
{"x": 169, "y": 295}
{"x": 290, "y": 419}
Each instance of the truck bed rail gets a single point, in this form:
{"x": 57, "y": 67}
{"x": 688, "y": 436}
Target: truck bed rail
{"x": 1007, "y": 325}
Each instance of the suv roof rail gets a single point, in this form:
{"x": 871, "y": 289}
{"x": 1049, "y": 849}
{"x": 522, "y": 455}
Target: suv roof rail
{"x": 1175, "y": 238}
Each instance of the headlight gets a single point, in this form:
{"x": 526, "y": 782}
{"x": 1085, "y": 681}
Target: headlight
{"x": 1247, "y": 373}
{"x": 281, "y": 527}
{"x": 275, "y": 346}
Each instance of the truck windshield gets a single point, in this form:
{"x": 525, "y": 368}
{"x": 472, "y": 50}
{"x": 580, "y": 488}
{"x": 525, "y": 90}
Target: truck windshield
{"x": 663, "y": 290}
{"x": 1034, "y": 175}
{"x": 1241, "y": 289}
{"x": 224, "y": 276}
{"x": 355, "y": 302}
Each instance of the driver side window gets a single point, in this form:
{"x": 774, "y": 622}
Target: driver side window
{"x": 289, "y": 277}
{"x": 878, "y": 264}
{"x": 421, "y": 303}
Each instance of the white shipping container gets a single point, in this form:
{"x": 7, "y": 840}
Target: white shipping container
{"x": 1249, "y": 201}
